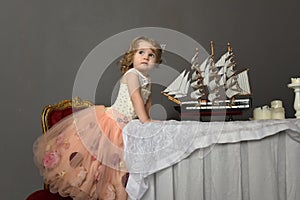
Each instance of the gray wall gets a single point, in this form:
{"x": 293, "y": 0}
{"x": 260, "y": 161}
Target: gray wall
{"x": 44, "y": 42}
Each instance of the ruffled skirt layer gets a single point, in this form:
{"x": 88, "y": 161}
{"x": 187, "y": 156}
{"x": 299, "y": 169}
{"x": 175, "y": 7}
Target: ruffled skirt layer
{"x": 82, "y": 155}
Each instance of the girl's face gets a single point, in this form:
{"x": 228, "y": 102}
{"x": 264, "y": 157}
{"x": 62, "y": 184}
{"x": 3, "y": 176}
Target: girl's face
{"x": 144, "y": 59}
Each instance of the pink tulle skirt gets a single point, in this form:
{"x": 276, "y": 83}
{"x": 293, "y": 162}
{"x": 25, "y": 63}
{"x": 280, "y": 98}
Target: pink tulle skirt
{"x": 82, "y": 155}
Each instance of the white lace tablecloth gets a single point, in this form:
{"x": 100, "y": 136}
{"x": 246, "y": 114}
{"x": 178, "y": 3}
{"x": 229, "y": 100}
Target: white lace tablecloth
{"x": 154, "y": 146}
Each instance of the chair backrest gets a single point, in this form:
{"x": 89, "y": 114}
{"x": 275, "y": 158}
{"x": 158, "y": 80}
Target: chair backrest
{"x": 52, "y": 114}
{"x": 55, "y": 112}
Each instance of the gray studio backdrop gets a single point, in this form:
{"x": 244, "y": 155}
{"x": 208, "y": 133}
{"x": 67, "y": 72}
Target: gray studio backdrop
{"x": 43, "y": 44}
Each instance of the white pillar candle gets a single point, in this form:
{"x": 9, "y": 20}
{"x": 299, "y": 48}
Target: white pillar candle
{"x": 277, "y": 111}
{"x": 276, "y": 104}
{"x": 262, "y": 113}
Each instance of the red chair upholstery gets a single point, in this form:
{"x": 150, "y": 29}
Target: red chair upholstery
{"x": 46, "y": 195}
{"x": 52, "y": 114}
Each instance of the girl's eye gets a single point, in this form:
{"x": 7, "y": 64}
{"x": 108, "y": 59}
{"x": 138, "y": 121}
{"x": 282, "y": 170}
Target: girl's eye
{"x": 152, "y": 55}
{"x": 141, "y": 52}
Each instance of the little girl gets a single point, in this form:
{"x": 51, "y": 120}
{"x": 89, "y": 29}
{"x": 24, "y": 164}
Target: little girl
{"x": 82, "y": 156}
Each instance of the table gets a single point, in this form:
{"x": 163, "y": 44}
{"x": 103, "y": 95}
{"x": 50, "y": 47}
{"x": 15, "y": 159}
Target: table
{"x": 243, "y": 160}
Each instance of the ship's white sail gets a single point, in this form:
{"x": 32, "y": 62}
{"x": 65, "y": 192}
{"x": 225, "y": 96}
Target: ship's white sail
{"x": 196, "y": 84}
{"x": 196, "y": 94}
{"x": 230, "y": 62}
{"x": 212, "y": 85}
{"x": 230, "y": 71}
{"x": 205, "y": 64}
{"x": 200, "y": 70}
{"x": 195, "y": 75}
{"x": 221, "y": 70}
{"x": 179, "y": 87}
{"x": 194, "y": 61}
{"x": 207, "y": 74}
{"x": 209, "y": 80}
{"x": 183, "y": 90}
{"x": 238, "y": 84}
{"x": 223, "y": 79}
{"x": 243, "y": 82}
{"x": 175, "y": 84}
{"x": 223, "y": 59}
{"x": 212, "y": 96}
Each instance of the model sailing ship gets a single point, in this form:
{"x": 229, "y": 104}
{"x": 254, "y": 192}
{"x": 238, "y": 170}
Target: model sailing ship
{"x": 211, "y": 85}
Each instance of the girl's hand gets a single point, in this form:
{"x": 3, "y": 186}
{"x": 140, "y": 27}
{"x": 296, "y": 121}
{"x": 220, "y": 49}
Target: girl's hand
{"x": 155, "y": 120}
{"x": 151, "y": 120}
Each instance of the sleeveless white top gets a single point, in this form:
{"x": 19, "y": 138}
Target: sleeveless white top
{"x": 123, "y": 103}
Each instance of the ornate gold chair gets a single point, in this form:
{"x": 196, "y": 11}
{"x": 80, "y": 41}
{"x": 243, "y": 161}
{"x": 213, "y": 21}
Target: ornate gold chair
{"x": 52, "y": 114}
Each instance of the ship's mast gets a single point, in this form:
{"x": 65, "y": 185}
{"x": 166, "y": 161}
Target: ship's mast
{"x": 214, "y": 70}
{"x": 212, "y": 51}
{"x": 229, "y": 49}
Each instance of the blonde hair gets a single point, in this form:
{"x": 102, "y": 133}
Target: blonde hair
{"x": 127, "y": 60}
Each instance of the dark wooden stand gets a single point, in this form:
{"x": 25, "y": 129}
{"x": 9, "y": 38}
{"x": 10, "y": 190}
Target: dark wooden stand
{"x": 208, "y": 115}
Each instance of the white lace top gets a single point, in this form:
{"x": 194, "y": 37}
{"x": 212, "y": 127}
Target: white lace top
{"x": 123, "y": 102}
